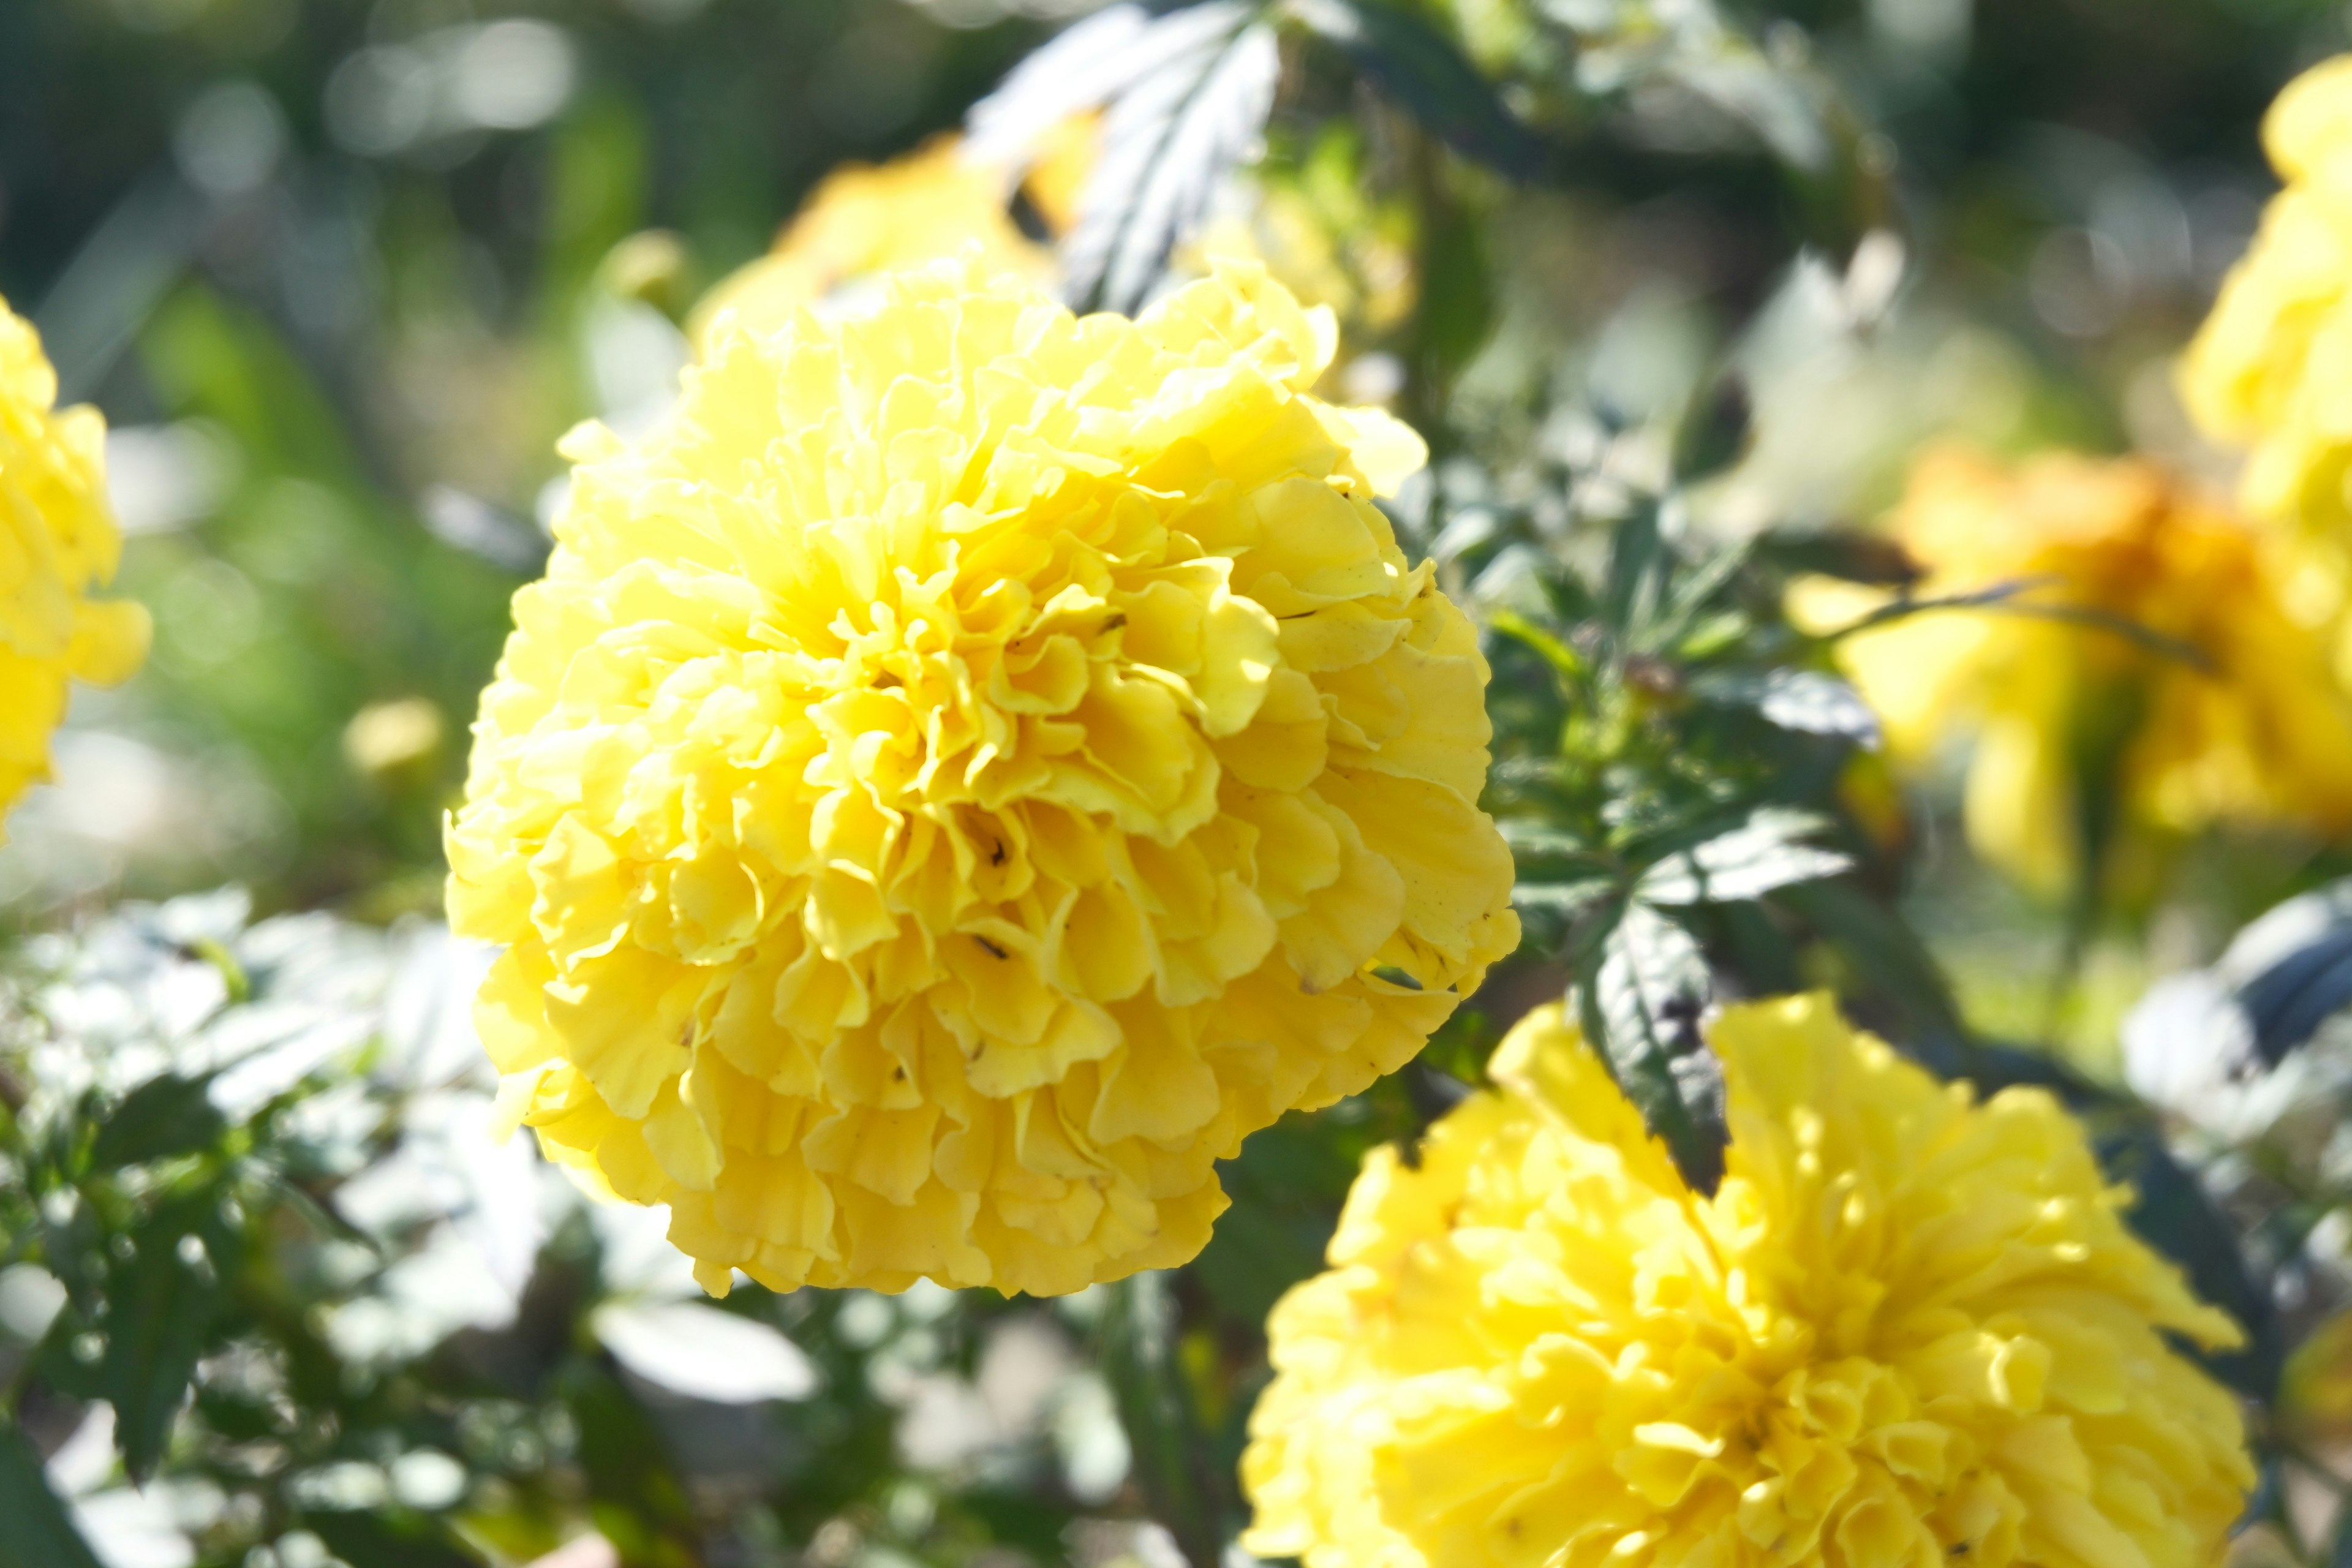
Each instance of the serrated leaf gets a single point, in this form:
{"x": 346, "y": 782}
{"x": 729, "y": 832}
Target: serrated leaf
{"x": 1427, "y": 73}
{"x": 1766, "y": 852}
{"x": 1806, "y": 700}
{"x": 1168, "y": 139}
{"x": 1185, "y": 89}
{"x": 1080, "y": 68}
{"x": 162, "y": 1117}
{"x": 1640, "y": 990}
{"x": 35, "y": 1528}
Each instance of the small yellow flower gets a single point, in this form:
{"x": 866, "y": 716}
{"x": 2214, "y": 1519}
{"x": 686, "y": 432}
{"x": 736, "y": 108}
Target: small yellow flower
{"x": 961, "y": 773}
{"x": 863, "y": 221}
{"x": 1908, "y": 1330}
{"x": 58, "y": 542}
{"x": 2272, "y": 368}
{"x": 2262, "y": 734}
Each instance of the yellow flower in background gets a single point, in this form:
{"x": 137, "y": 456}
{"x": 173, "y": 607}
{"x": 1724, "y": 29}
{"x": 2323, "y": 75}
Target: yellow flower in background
{"x": 2271, "y": 370}
{"x": 961, "y": 773}
{"x": 58, "y": 543}
{"x": 2263, "y": 734}
{"x": 1323, "y": 239}
{"x": 1908, "y": 1330}
{"x": 863, "y": 221}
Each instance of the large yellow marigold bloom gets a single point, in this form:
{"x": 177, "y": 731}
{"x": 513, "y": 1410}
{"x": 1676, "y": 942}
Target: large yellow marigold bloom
{"x": 2272, "y": 368}
{"x": 2262, "y": 735}
{"x": 58, "y": 542}
{"x": 1908, "y": 1328}
{"x": 863, "y": 220}
{"x": 961, "y": 773}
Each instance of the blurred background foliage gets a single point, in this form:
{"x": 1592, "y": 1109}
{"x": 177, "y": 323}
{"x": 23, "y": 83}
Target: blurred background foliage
{"x": 1677, "y": 288}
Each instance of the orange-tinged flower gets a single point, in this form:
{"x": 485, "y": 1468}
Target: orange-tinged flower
{"x": 2260, "y": 733}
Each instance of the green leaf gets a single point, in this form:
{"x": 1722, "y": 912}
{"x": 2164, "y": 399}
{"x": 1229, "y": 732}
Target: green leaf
{"x": 1766, "y": 852}
{"x": 1698, "y": 589}
{"x": 1716, "y": 432}
{"x": 162, "y": 1117}
{"x": 2297, "y": 964}
{"x": 1184, "y": 91}
{"x": 2172, "y": 1213}
{"x": 1541, "y": 840}
{"x": 159, "y": 1308}
{"x": 36, "y": 1531}
{"x": 1843, "y": 554}
{"x": 1163, "y": 1427}
{"x": 1428, "y": 75}
{"x": 1640, "y": 989}
{"x": 1640, "y": 563}
{"x": 1569, "y": 898}
{"x": 1884, "y": 950}
{"x": 392, "y": 1539}
{"x": 1808, "y": 701}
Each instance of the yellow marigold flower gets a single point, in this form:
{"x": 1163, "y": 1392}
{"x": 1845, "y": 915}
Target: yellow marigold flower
{"x": 2272, "y": 368}
{"x": 863, "y": 221}
{"x": 1908, "y": 1330}
{"x": 58, "y": 542}
{"x": 961, "y": 773}
{"x": 2264, "y": 734}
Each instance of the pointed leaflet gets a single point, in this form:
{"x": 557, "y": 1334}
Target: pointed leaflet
{"x": 1765, "y": 853}
{"x": 159, "y": 1309}
{"x": 1187, "y": 88}
{"x": 162, "y": 1117}
{"x": 1080, "y": 69}
{"x": 1640, "y": 990}
{"x": 1168, "y": 142}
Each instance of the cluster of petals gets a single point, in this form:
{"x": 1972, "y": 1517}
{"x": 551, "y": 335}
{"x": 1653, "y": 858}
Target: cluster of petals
{"x": 1909, "y": 1330}
{"x": 962, "y": 772}
{"x": 58, "y": 543}
{"x": 2238, "y": 715}
{"x": 2271, "y": 369}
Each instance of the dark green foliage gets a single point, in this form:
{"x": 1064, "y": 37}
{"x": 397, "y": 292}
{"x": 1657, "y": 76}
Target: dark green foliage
{"x": 38, "y": 1533}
